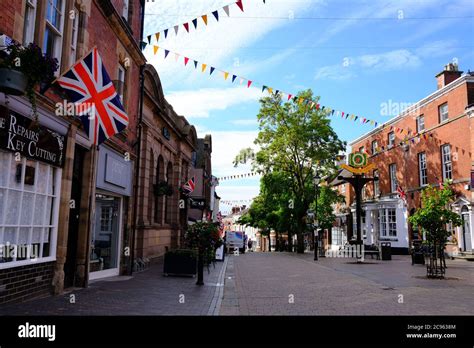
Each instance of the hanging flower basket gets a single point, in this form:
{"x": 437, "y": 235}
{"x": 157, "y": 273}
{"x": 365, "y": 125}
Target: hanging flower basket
{"x": 23, "y": 69}
{"x": 12, "y": 82}
{"x": 163, "y": 189}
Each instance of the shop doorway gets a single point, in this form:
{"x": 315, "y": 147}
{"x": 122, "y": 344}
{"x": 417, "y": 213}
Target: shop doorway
{"x": 466, "y": 230}
{"x": 105, "y": 239}
{"x": 73, "y": 228}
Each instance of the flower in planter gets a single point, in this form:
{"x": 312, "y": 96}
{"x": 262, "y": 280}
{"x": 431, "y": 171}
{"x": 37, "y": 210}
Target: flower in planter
{"x": 38, "y": 68}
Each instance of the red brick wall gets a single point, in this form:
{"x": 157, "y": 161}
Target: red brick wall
{"x": 455, "y": 133}
{"x": 25, "y": 282}
{"x": 7, "y": 16}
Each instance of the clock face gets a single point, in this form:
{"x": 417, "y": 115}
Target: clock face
{"x": 357, "y": 159}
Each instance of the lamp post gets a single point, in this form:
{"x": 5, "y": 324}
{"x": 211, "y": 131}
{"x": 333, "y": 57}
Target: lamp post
{"x": 316, "y": 181}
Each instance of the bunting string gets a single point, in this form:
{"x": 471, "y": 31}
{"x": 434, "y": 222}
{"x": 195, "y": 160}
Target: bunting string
{"x": 237, "y": 176}
{"x": 409, "y": 135}
{"x": 163, "y": 34}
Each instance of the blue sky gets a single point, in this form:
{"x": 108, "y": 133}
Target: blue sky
{"x": 356, "y": 55}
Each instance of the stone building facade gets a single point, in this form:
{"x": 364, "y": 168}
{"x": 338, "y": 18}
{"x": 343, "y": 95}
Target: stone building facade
{"x": 169, "y": 143}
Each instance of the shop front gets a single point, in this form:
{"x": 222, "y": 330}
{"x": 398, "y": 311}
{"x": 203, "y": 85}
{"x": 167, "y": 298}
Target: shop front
{"x": 114, "y": 187}
{"x": 31, "y": 161}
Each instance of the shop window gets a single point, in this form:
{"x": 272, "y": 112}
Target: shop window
{"x": 28, "y": 210}
{"x": 388, "y": 222}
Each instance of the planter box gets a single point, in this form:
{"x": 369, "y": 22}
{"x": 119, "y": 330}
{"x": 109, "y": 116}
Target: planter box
{"x": 180, "y": 262}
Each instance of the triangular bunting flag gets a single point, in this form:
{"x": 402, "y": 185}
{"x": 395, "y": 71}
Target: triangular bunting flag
{"x": 233, "y": 78}
{"x": 241, "y": 80}
{"x": 166, "y": 33}
{"x": 216, "y": 15}
{"x": 226, "y": 75}
{"x": 186, "y": 26}
{"x": 155, "y": 49}
{"x": 249, "y": 83}
{"x": 176, "y": 28}
{"x": 204, "y": 67}
{"x": 264, "y": 88}
{"x": 176, "y": 56}
{"x": 204, "y": 19}
{"x": 149, "y": 39}
{"x": 212, "y": 70}
{"x": 226, "y": 10}
{"x": 195, "y": 23}
{"x": 270, "y": 90}
{"x": 289, "y": 96}
{"x": 166, "y": 53}
{"x": 157, "y": 36}
{"x": 186, "y": 60}
{"x": 241, "y": 6}
{"x": 142, "y": 45}
{"x": 195, "y": 64}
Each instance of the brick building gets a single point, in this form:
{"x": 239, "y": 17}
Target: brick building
{"x": 76, "y": 213}
{"x": 430, "y": 142}
{"x": 169, "y": 144}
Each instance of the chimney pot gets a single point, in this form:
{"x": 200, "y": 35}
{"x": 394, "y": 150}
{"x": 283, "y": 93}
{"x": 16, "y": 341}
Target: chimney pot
{"x": 448, "y": 75}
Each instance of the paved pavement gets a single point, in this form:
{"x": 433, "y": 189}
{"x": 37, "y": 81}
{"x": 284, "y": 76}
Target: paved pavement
{"x": 292, "y": 284}
{"x": 146, "y": 293}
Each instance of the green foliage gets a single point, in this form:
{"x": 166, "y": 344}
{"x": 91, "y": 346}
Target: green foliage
{"x": 325, "y": 212}
{"x": 204, "y": 236}
{"x": 295, "y": 140}
{"x": 434, "y": 214}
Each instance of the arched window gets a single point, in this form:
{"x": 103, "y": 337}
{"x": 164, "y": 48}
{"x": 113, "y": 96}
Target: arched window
{"x": 169, "y": 180}
{"x": 151, "y": 194}
{"x": 159, "y": 200}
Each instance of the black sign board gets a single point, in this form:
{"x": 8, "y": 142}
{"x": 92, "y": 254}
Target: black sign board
{"x": 20, "y": 134}
{"x": 197, "y": 203}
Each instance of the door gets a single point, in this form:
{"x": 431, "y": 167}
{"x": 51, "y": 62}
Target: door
{"x": 73, "y": 228}
{"x": 104, "y": 260}
{"x": 466, "y": 230}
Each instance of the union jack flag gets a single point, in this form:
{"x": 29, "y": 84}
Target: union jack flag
{"x": 96, "y": 101}
{"x": 401, "y": 193}
{"x": 188, "y": 187}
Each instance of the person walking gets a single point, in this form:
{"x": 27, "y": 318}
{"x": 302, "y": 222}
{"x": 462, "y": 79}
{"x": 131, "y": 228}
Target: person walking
{"x": 249, "y": 244}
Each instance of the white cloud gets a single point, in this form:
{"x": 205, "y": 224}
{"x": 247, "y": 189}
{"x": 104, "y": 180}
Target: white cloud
{"x": 385, "y": 61}
{"x": 437, "y": 48}
{"x": 397, "y": 59}
{"x": 245, "y": 122}
{"x": 199, "y": 103}
{"x": 225, "y": 146}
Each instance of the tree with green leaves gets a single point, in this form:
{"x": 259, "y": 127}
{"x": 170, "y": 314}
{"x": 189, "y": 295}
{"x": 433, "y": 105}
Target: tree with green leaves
{"x": 293, "y": 138}
{"x": 327, "y": 197}
{"x": 432, "y": 218}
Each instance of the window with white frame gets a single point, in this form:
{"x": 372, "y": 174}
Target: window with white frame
{"x": 54, "y": 24}
{"x": 374, "y": 147}
{"x": 420, "y": 123}
{"x": 361, "y": 149}
{"x": 391, "y": 139}
{"x": 29, "y": 24}
{"x": 376, "y": 184}
{"x": 422, "y": 169}
{"x": 393, "y": 177}
{"x": 74, "y": 36}
{"x": 29, "y": 206}
{"x": 443, "y": 112}
{"x": 125, "y": 9}
{"x": 446, "y": 162}
{"x": 388, "y": 222}
{"x": 121, "y": 82}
